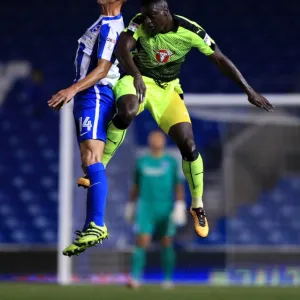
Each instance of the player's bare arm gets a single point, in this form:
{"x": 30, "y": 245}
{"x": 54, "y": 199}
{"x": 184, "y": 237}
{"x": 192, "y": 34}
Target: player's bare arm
{"x": 131, "y": 204}
{"x": 226, "y": 66}
{"x": 179, "y": 192}
{"x": 125, "y": 44}
{"x": 134, "y": 193}
{"x": 64, "y": 96}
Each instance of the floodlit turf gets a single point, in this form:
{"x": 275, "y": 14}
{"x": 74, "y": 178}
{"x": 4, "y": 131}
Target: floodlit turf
{"x": 54, "y": 292}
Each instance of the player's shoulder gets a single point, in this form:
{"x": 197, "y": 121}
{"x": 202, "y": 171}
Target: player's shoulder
{"x": 142, "y": 159}
{"x": 171, "y": 159}
{"x": 189, "y": 25}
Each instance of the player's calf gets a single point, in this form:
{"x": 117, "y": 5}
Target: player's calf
{"x": 192, "y": 166}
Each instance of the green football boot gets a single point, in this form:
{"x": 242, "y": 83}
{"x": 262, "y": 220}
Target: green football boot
{"x": 93, "y": 236}
{"x": 75, "y": 248}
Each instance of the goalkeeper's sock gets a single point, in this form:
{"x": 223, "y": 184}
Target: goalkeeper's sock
{"x": 193, "y": 171}
{"x": 138, "y": 263}
{"x": 116, "y": 133}
{"x": 168, "y": 262}
{"x": 96, "y": 195}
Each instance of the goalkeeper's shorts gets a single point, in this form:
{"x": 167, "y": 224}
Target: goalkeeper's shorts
{"x": 161, "y": 227}
{"x": 93, "y": 110}
{"x": 165, "y": 104}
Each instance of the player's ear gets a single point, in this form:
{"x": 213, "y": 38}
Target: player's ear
{"x": 166, "y": 11}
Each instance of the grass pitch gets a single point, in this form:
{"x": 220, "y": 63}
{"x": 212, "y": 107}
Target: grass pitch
{"x": 12, "y": 291}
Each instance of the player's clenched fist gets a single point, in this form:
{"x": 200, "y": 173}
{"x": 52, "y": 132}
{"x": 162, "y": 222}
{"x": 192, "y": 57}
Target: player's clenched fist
{"x": 62, "y": 97}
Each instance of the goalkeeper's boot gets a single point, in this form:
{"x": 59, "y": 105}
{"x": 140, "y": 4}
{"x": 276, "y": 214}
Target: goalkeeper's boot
{"x": 93, "y": 235}
{"x": 200, "y": 221}
{"x": 84, "y": 182}
{"x": 75, "y": 248}
{"x": 133, "y": 284}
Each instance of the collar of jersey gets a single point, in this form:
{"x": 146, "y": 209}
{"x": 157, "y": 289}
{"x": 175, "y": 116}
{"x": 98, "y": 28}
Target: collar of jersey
{"x": 176, "y": 23}
{"x": 175, "y": 27}
{"x": 106, "y": 18}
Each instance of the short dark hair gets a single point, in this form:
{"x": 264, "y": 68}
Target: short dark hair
{"x": 151, "y": 2}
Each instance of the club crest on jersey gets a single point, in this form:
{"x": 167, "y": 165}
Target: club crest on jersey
{"x": 163, "y": 55}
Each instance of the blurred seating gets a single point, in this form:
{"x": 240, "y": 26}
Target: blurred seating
{"x": 28, "y": 169}
{"x": 272, "y": 220}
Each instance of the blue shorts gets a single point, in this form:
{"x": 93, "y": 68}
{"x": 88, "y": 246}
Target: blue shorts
{"x": 93, "y": 109}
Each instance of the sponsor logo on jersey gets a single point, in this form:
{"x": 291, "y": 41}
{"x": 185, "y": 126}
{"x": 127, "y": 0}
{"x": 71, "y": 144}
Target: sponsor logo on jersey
{"x": 111, "y": 40}
{"x": 163, "y": 55}
{"x": 96, "y": 28}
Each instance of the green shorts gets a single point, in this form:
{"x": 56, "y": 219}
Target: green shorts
{"x": 165, "y": 104}
{"x": 147, "y": 225}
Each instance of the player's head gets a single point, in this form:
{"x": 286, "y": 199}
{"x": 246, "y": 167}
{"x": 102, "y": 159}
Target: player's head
{"x": 156, "y": 141}
{"x": 156, "y": 13}
{"x": 104, "y": 2}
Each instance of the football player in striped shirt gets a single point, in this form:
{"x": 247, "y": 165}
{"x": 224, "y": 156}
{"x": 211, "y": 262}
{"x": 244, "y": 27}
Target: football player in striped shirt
{"x": 94, "y": 106}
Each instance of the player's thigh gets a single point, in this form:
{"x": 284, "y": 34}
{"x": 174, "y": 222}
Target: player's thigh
{"x": 92, "y": 114}
{"x": 125, "y": 94}
{"x": 175, "y": 113}
{"x": 144, "y": 224}
{"x": 165, "y": 228}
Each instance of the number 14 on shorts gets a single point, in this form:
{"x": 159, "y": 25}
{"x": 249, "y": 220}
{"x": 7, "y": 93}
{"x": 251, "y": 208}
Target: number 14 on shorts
{"x": 86, "y": 123}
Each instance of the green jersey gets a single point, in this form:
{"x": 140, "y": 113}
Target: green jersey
{"x": 160, "y": 57}
{"x": 156, "y": 179}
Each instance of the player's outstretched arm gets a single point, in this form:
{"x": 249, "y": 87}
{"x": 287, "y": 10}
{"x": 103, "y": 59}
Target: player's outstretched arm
{"x": 64, "y": 96}
{"x": 226, "y": 66}
{"x": 124, "y": 46}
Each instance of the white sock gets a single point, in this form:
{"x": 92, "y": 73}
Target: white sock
{"x": 197, "y": 202}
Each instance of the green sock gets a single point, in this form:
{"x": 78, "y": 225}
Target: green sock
{"x": 138, "y": 263}
{"x": 115, "y": 138}
{"x": 193, "y": 172}
{"x": 168, "y": 262}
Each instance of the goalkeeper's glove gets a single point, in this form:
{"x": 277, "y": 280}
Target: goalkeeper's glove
{"x": 129, "y": 211}
{"x": 179, "y": 213}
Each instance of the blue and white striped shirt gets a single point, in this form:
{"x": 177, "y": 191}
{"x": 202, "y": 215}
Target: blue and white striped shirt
{"x": 99, "y": 42}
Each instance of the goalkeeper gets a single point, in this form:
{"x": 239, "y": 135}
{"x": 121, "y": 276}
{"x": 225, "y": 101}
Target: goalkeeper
{"x": 156, "y": 185}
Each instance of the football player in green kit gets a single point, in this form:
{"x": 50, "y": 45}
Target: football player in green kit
{"x": 161, "y": 41}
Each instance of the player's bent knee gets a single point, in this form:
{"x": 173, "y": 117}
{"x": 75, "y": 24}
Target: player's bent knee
{"x": 143, "y": 241}
{"x": 167, "y": 241}
{"x": 127, "y": 116}
{"x": 188, "y": 148}
{"x": 127, "y": 108}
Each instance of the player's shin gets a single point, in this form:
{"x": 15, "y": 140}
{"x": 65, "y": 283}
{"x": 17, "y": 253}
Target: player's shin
{"x": 138, "y": 263}
{"x": 97, "y": 193}
{"x": 95, "y": 231}
{"x": 168, "y": 262}
{"x": 115, "y": 136}
{"x": 193, "y": 171}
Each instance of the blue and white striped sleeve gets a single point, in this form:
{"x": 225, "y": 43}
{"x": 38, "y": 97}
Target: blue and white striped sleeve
{"x": 107, "y": 42}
